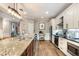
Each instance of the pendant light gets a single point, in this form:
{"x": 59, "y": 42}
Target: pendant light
{"x": 14, "y": 12}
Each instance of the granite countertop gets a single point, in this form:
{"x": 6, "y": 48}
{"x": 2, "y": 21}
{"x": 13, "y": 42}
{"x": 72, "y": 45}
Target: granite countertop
{"x": 13, "y": 47}
{"x": 72, "y": 39}
{"x": 75, "y": 40}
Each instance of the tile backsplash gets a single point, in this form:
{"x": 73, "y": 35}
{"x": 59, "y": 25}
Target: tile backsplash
{"x": 73, "y": 33}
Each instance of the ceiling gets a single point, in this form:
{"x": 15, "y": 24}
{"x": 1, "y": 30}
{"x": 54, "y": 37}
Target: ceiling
{"x": 38, "y": 10}
{"x": 42, "y": 10}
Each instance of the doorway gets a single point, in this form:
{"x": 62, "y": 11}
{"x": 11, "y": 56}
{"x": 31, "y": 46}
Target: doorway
{"x": 50, "y": 31}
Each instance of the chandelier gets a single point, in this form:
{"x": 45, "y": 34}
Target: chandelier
{"x": 14, "y": 12}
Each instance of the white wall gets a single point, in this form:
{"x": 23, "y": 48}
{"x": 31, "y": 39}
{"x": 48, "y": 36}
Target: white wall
{"x": 27, "y": 26}
{"x": 1, "y": 28}
{"x": 6, "y": 27}
{"x": 46, "y": 30}
{"x": 31, "y": 27}
{"x": 23, "y": 26}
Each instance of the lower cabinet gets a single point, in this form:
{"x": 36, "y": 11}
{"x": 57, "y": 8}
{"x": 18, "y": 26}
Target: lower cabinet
{"x": 63, "y": 45}
{"x": 29, "y": 50}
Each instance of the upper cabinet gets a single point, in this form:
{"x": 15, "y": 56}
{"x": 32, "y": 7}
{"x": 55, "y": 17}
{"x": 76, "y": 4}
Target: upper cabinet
{"x": 54, "y": 24}
{"x": 70, "y": 17}
{"x": 57, "y": 23}
{"x": 76, "y": 15}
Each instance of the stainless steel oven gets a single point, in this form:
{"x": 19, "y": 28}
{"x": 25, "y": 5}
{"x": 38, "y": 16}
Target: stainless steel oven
{"x": 72, "y": 49}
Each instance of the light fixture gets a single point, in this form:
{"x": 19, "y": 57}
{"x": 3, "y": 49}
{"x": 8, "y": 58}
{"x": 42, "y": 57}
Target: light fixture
{"x": 14, "y": 12}
{"x": 25, "y": 12}
{"x": 46, "y": 12}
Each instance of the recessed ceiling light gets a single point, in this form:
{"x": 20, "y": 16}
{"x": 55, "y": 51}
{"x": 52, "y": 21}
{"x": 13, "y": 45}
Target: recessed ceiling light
{"x": 25, "y": 12}
{"x": 46, "y": 12}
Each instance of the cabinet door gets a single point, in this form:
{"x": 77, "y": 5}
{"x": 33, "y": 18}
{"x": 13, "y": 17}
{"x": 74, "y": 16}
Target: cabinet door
{"x": 76, "y": 15}
{"x": 63, "y": 45}
{"x": 65, "y": 23}
{"x": 60, "y": 43}
{"x": 68, "y": 18}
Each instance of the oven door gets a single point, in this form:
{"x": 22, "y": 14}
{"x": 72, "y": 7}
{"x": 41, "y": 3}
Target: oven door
{"x": 72, "y": 49}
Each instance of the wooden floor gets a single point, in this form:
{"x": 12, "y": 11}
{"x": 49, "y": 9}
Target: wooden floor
{"x": 45, "y": 48}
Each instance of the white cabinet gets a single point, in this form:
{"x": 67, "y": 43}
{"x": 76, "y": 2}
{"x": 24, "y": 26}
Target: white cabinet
{"x": 63, "y": 46}
{"x": 76, "y": 15}
{"x": 71, "y": 17}
{"x": 65, "y": 23}
{"x": 68, "y": 18}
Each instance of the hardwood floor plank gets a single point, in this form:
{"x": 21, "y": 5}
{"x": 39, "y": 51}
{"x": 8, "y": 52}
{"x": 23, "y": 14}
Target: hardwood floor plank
{"x": 46, "y": 48}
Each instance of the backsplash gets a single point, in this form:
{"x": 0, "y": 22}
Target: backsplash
{"x": 73, "y": 33}
{"x": 67, "y": 33}
{"x": 59, "y": 32}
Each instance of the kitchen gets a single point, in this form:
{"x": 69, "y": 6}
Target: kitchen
{"x": 36, "y": 29}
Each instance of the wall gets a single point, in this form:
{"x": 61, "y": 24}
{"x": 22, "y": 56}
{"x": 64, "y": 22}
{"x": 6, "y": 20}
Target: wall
{"x": 5, "y": 23}
{"x": 46, "y": 30}
{"x": 31, "y": 27}
{"x": 1, "y": 28}
{"x": 6, "y": 27}
{"x": 27, "y": 26}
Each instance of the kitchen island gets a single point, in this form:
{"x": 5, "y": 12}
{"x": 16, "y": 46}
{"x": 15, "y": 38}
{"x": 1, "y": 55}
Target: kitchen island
{"x": 15, "y": 47}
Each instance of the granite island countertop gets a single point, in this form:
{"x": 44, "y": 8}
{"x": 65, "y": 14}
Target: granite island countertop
{"x": 13, "y": 47}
